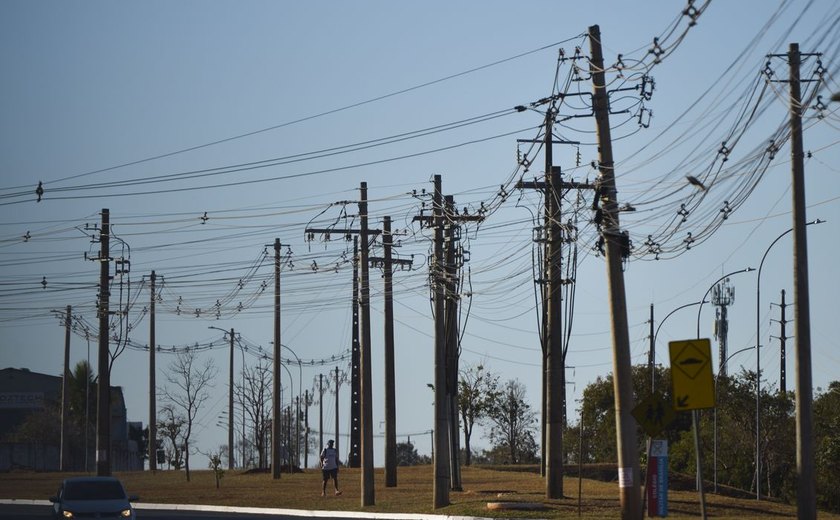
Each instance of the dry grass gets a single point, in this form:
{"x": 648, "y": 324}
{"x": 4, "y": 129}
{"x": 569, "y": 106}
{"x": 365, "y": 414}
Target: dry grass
{"x": 412, "y": 495}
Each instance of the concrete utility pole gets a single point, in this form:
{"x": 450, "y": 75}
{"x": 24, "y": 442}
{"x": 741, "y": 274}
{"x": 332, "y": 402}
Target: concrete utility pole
{"x": 441, "y": 431}
{"x": 614, "y": 243}
{"x": 64, "y": 457}
{"x": 387, "y": 263}
{"x": 390, "y": 382}
{"x": 554, "y": 369}
{"x": 367, "y": 498}
{"x": 103, "y": 393}
{"x": 554, "y": 356}
{"x": 321, "y": 415}
{"x": 337, "y": 386}
{"x": 806, "y": 483}
{"x": 452, "y": 350}
{"x": 276, "y": 408}
{"x": 230, "y": 404}
{"x": 307, "y": 400}
{"x": 354, "y": 458}
{"x": 152, "y": 373}
{"x": 782, "y": 344}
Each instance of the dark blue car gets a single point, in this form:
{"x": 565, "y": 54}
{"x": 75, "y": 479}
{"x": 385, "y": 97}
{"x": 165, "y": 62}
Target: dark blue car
{"x": 92, "y": 497}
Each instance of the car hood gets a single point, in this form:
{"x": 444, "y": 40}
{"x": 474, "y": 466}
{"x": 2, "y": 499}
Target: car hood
{"x": 96, "y": 506}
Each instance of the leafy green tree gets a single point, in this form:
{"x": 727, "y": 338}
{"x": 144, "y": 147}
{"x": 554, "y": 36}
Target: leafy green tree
{"x": 478, "y": 389}
{"x": 407, "y": 455}
{"x": 827, "y": 446}
{"x": 512, "y": 424}
{"x": 598, "y": 413}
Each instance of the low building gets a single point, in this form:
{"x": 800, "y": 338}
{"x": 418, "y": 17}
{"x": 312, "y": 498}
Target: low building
{"x": 30, "y": 423}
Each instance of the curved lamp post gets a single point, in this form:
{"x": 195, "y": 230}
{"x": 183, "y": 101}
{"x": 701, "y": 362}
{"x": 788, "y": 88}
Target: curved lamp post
{"x": 656, "y": 334}
{"x": 758, "y": 361}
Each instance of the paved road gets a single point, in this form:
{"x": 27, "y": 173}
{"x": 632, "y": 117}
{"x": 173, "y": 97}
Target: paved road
{"x": 43, "y": 510}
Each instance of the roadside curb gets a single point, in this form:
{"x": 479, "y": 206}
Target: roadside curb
{"x": 267, "y": 511}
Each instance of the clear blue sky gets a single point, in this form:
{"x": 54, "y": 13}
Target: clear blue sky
{"x": 102, "y": 92}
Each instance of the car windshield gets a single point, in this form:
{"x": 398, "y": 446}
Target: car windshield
{"x": 93, "y": 490}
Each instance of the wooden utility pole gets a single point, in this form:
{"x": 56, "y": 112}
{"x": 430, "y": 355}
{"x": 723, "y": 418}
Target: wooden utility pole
{"x": 152, "y": 443}
{"x": 103, "y": 407}
{"x": 806, "y": 481}
{"x": 64, "y": 457}
{"x": 367, "y": 498}
{"x": 614, "y": 244}
{"x": 277, "y": 409}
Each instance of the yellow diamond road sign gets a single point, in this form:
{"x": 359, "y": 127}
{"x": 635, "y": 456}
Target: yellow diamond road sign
{"x": 691, "y": 374}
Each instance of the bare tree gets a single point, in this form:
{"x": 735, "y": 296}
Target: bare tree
{"x": 477, "y": 391}
{"x": 169, "y": 427}
{"x": 188, "y": 392}
{"x": 255, "y": 395}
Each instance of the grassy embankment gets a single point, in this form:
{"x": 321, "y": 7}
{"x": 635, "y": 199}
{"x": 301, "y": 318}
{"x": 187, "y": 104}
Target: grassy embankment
{"x": 412, "y": 495}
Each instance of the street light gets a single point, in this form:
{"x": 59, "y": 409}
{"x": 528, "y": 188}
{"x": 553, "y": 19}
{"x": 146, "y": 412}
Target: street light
{"x": 230, "y": 396}
{"x": 758, "y": 361}
{"x": 652, "y": 356}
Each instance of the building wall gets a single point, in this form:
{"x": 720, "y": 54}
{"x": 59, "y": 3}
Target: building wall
{"x": 22, "y": 393}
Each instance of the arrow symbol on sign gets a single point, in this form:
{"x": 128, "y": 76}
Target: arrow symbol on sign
{"x": 682, "y": 402}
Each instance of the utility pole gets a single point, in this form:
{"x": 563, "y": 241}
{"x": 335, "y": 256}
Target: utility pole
{"x": 615, "y": 246}
{"x": 652, "y": 355}
{"x": 152, "y": 369}
{"x": 555, "y": 369}
{"x": 353, "y": 456}
{"x": 337, "y": 386}
{"x": 442, "y": 377}
{"x": 321, "y": 415}
{"x": 452, "y": 350}
{"x": 103, "y": 408}
{"x": 361, "y": 391}
{"x": 782, "y": 344}
{"x": 64, "y": 456}
{"x": 553, "y": 348}
{"x": 277, "y": 409}
{"x": 297, "y": 430}
{"x": 441, "y": 431}
{"x": 387, "y": 263}
{"x": 306, "y": 401}
{"x": 723, "y": 295}
{"x": 230, "y": 405}
{"x": 806, "y": 483}
{"x": 367, "y": 498}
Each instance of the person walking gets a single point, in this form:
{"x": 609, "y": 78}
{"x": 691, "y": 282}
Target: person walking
{"x": 329, "y": 467}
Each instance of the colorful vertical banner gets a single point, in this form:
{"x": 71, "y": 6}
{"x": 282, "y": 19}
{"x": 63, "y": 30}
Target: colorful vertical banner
{"x": 657, "y": 479}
